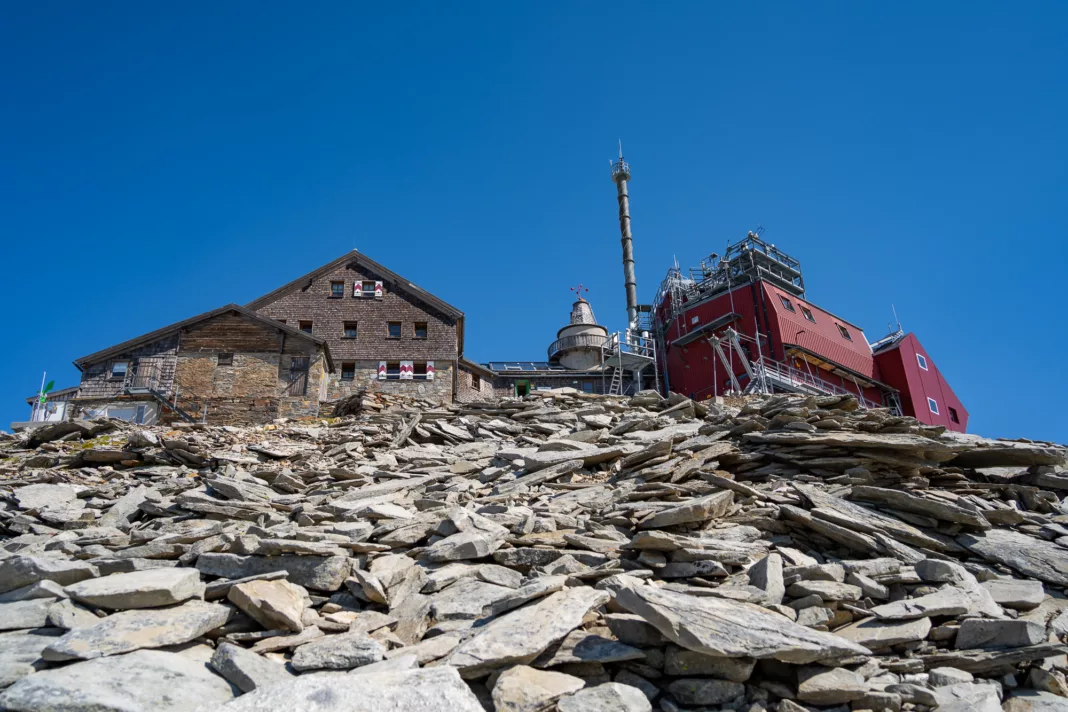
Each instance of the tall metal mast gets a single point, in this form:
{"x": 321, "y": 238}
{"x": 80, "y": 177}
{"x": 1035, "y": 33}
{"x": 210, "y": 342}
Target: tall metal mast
{"x": 620, "y": 175}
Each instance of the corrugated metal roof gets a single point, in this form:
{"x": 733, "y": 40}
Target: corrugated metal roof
{"x": 821, "y": 334}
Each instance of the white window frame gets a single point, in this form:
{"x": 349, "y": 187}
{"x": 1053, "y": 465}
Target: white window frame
{"x": 922, "y": 361}
{"x": 933, "y": 405}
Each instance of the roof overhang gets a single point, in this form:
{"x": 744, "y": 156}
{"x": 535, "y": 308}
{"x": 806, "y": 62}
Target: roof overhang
{"x": 833, "y": 367}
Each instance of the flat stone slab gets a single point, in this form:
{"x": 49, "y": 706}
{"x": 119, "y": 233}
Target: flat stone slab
{"x": 23, "y": 615}
{"x": 948, "y": 601}
{"x": 247, "y": 669}
{"x": 19, "y": 571}
{"x": 607, "y": 697}
{"x": 322, "y": 573}
{"x": 143, "y": 680}
{"x": 20, "y": 651}
{"x": 338, "y": 652}
{"x": 524, "y": 689}
{"x": 127, "y": 631}
{"x": 152, "y": 588}
{"x": 436, "y": 688}
{"x": 979, "y": 633}
{"x": 272, "y": 604}
{"x": 1035, "y": 558}
{"x": 522, "y": 635}
{"x": 1015, "y": 593}
{"x": 582, "y": 647}
{"x": 875, "y": 634}
{"x": 728, "y": 628}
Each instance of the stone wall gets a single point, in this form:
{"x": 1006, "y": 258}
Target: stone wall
{"x": 371, "y": 315}
{"x": 472, "y": 386}
{"x": 366, "y": 379}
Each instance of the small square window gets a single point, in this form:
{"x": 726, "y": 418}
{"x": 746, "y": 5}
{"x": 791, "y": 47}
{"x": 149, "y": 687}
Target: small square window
{"x": 419, "y": 370}
{"x": 337, "y": 290}
{"x": 476, "y": 382}
{"x": 119, "y": 369}
{"x": 368, "y": 289}
{"x": 420, "y": 330}
{"x": 299, "y": 363}
{"x": 393, "y": 371}
{"x": 348, "y": 371}
{"x": 226, "y": 359}
{"x": 953, "y": 415}
{"x": 350, "y": 330}
{"x": 587, "y": 387}
{"x": 808, "y": 313}
{"x": 844, "y": 332}
{"x": 306, "y": 327}
{"x": 393, "y": 330}
{"x": 786, "y": 303}
{"x": 933, "y": 405}
{"x": 922, "y": 361}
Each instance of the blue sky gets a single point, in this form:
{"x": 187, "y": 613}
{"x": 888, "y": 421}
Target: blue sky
{"x": 159, "y": 160}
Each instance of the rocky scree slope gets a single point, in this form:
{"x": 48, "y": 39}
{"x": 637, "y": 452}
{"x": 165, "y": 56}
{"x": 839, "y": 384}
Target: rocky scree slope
{"x": 560, "y": 552}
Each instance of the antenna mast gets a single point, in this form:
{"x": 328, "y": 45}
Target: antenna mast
{"x": 620, "y": 176}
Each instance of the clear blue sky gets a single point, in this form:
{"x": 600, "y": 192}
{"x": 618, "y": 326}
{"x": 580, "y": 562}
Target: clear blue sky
{"x": 161, "y": 159}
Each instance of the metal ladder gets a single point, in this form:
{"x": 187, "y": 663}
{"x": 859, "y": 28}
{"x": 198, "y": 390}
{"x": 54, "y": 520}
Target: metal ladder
{"x": 615, "y": 388}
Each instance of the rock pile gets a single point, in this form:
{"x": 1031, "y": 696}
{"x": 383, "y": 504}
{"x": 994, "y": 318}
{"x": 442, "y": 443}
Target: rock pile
{"x": 561, "y": 552}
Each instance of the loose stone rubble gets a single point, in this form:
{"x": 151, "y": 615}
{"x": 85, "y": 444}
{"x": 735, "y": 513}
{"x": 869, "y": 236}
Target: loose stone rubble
{"x": 563, "y": 551}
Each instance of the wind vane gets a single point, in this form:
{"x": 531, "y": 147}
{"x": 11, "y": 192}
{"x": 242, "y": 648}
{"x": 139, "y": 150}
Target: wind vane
{"x": 578, "y": 292}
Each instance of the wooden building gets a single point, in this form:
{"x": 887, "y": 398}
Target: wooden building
{"x": 229, "y": 365}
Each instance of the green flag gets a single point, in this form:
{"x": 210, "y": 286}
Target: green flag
{"x": 48, "y": 387}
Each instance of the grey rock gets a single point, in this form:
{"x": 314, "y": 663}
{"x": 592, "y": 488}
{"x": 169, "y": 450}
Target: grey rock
{"x": 979, "y": 633}
{"x": 1015, "y": 593}
{"x": 141, "y": 589}
{"x": 766, "y": 574}
{"x": 34, "y": 497}
{"x": 524, "y": 689}
{"x": 41, "y": 589}
{"x": 478, "y": 537}
{"x": 876, "y": 634}
{"x": 22, "y": 615}
{"x": 948, "y": 601}
{"x": 608, "y": 697}
{"x": 406, "y": 661}
{"x": 830, "y": 686}
{"x": 68, "y": 615}
{"x": 437, "y": 688}
{"x": 272, "y": 604}
{"x": 728, "y": 628}
{"x": 939, "y": 677}
{"x": 19, "y": 571}
{"x": 700, "y": 691}
{"x": 522, "y": 635}
{"x": 582, "y": 647}
{"x": 466, "y": 598}
{"x": 20, "y": 653}
{"x": 316, "y": 572}
{"x": 125, "y": 509}
{"x": 1036, "y": 558}
{"x": 904, "y": 501}
{"x": 338, "y": 652}
{"x": 245, "y": 669}
{"x": 1035, "y": 701}
{"x": 696, "y": 510}
{"x": 679, "y": 662}
{"x": 826, "y": 590}
{"x": 969, "y": 697}
{"x": 127, "y": 631}
{"x": 143, "y": 680}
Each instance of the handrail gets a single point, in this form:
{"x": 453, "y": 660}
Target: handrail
{"x": 595, "y": 341}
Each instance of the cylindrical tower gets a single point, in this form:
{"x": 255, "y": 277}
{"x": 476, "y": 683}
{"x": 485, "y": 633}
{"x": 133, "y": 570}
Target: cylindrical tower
{"x": 620, "y": 175}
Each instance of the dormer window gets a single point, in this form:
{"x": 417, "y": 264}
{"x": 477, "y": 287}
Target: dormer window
{"x": 787, "y": 303}
{"x": 808, "y": 313}
{"x": 844, "y": 332}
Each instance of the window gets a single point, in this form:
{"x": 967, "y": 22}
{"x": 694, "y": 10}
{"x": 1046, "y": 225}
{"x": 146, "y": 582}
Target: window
{"x": 419, "y": 370}
{"x": 226, "y": 359}
{"x": 393, "y": 371}
{"x": 420, "y": 329}
{"x": 844, "y": 332}
{"x": 808, "y": 313}
{"x": 786, "y": 303}
{"x": 393, "y": 329}
{"x": 933, "y": 405}
{"x": 953, "y": 415}
{"x": 299, "y": 363}
{"x": 337, "y": 290}
{"x": 119, "y": 369}
{"x": 350, "y": 330}
{"x": 587, "y": 387}
{"x": 368, "y": 289}
{"x": 348, "y": 371}
{"x": 476, "y": 382}
{"x": 922, "y": 361}
{"x": 306, "y": 327}
{"x": 139, "y": 414}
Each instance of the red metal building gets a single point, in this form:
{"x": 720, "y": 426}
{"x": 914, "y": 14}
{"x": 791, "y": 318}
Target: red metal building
{"x": 742, "y": 322}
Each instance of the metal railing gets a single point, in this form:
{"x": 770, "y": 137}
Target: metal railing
{"x": 565, "y": 343}
{"x": 786, "y": 375}
{"x": 144, "y": 376}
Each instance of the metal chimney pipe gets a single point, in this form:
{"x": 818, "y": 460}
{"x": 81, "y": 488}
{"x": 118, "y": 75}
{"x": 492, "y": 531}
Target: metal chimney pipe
{"x": 620, "y": 175}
